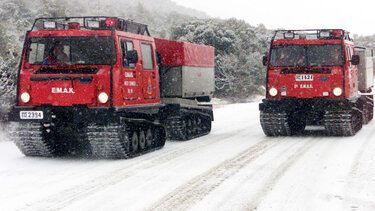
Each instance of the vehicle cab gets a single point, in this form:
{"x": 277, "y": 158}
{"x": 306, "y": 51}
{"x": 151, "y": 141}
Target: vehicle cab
{"x": 305, "y": 64}
{"x": 92, "y": 62}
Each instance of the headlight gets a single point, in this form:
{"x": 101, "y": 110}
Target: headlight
{"x": 337, "y": 91}
{"x": 273, "y": 92}
{"x": 25, "y": 97}
{"x": 103, "y": 97}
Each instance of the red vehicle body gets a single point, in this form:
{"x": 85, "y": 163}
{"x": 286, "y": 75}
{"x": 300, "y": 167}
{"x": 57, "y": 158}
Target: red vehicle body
{"x": 100, "y": 92}
{"x": 313, "y": 79}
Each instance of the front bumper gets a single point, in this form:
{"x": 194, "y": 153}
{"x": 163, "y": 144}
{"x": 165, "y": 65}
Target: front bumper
{"x": 73, "y": 114}
{"x": 317, "y": 105}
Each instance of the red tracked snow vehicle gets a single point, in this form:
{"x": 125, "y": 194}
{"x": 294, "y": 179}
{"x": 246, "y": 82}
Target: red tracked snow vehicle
{"x": 103, "y": 86}
{"x": 316, "y": 77}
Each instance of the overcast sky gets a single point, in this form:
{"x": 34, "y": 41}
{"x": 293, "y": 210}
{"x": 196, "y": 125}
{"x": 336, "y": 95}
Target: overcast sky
{"x": 355, "y": 16}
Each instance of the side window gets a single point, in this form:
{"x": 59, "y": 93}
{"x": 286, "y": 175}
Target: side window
{"x": 348, "y": 55}
{"x": 148, "y": 62}
{"x": 67, "y": 50}
{"x": 126, "y": 46}
{"x": 36, "y": 53}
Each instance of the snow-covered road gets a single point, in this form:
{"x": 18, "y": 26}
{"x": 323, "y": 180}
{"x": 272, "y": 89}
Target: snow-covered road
{"x": 236, "y": 167}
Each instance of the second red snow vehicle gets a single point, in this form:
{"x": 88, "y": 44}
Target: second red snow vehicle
{"x": 316, "y": 77}
{"x": 103, "y": 86}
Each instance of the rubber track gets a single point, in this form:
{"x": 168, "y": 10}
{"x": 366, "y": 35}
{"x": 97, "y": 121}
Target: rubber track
{"x": 340, "y": 123}
{"x": 105, "y": 141}
{"x": 370, "y": 107}
{"x": 176, "y": 129}
{"x": 275, "y": 124}
{"x": 112, "y": 141}
{"x": 29, "y": 138}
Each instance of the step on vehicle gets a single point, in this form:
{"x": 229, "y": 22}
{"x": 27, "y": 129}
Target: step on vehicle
{"x": 317, "y": 77}
{"x": 102, "y": 86}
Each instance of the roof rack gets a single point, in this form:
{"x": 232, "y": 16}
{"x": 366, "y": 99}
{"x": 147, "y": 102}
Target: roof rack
{"x": 91, "y": 23}
{"x": 311, "y": 34}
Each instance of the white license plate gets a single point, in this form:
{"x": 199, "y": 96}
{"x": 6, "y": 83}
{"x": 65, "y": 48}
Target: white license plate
{"x": 304, "y": 77}
{"x": 31, "y": 114}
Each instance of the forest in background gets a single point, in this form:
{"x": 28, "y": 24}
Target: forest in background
{"x": 239, "y": 74}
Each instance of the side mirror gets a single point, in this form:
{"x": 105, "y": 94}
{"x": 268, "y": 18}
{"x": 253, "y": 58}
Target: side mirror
{"x": 158, "y": 58}
{"x": 265, "y": 58}
{"x": 355, "y": 60}
{"x": 132, "y": 57}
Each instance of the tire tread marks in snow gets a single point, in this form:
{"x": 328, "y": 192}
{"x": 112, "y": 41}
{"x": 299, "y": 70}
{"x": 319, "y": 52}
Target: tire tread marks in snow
{"x": 188, "y": 194}
{"x": 276, "y": 175}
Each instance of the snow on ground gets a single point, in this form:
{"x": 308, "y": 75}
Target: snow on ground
{"x": 235, "y": 167}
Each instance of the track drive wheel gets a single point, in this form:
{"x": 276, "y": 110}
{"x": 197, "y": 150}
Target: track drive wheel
{"x": 142, "y": 140}
{"x": 149, "y": 138}
{"x": 134, "y": 142}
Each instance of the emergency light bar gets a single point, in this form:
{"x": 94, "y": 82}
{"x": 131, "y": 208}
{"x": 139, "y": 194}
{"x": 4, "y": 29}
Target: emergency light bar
{"x": 311, "y": 34}
{"x": 49, "y": 25}
{"x": 90, "y": 23}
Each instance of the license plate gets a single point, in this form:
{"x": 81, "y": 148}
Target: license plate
{"x": 31, "y": 114}
{"x": 304, "y": 77}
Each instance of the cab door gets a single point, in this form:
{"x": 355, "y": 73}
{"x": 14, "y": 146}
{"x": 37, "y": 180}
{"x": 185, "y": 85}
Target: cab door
{"x": 150, "y": 77}
{"x": 131, "y": 87}
{"x": 352, "y": 74}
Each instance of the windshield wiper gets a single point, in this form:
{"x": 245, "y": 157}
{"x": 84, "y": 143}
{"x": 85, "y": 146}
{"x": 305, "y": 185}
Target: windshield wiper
{"x": 305, "y": 70}
{"x": 50, "y": 70}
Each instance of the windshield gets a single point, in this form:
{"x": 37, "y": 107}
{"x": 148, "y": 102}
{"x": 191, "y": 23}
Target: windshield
{"x": 306, "y": 55}
{"x": 93, "y": 50}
